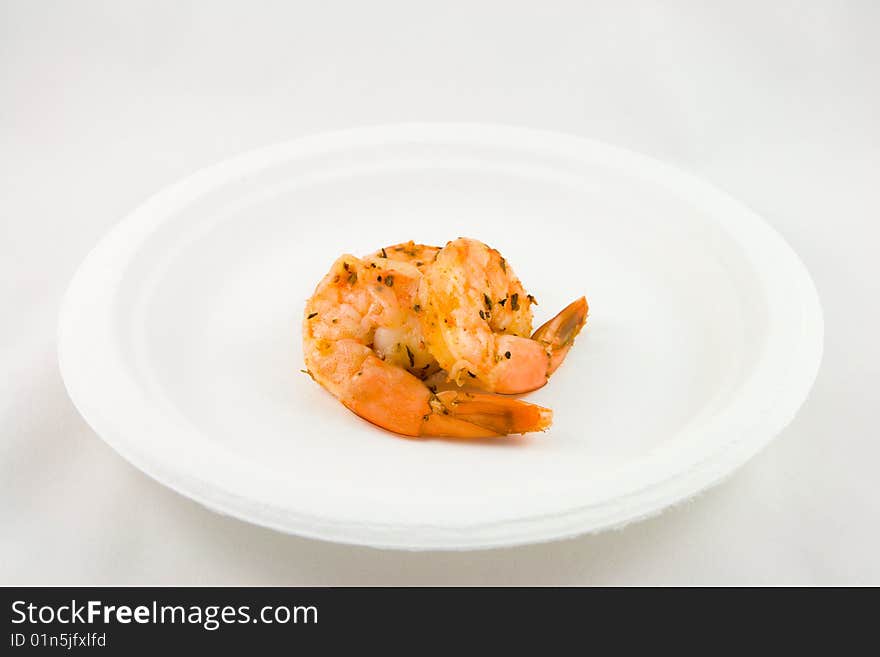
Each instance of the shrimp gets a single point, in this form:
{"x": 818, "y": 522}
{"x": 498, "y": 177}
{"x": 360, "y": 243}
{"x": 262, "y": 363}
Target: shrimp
{"x": 363, "y": 342}
{"x": 477, "y": 318}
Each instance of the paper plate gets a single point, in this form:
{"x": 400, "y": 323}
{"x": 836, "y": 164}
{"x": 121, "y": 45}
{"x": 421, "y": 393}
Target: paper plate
{"x": 180, "y": 342}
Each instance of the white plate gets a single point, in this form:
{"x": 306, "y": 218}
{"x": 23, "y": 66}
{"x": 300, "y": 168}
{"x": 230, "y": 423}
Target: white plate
{"x": 179, "y": 338}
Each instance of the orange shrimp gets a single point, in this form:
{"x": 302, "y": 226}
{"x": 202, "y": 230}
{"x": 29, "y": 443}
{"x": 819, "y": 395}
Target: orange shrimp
{"x": 476, "y": 319}
{"x": 363, "y": 342}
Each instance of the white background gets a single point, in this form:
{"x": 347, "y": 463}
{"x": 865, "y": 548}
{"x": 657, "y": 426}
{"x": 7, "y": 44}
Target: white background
{"x": 102, "y": 104}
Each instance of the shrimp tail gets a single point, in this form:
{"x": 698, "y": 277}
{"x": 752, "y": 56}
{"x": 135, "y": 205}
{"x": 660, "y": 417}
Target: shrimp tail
{"x": 474, "y": 414}
{"x": 394, "y": 399}
{"x": 558, "y": 334}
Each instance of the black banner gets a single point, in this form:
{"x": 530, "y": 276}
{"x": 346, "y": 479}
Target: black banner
{"x": 127, "y": 620}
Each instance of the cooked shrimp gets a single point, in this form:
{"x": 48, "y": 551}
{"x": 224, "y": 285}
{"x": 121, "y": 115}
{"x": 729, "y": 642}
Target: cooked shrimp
{"x": 362, "y": 341}
{"x": 476, "y": 321}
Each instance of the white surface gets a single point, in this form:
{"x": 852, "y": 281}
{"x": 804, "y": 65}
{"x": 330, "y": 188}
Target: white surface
{"x": 100, "y": 106}
{"x": 179, "y": 338}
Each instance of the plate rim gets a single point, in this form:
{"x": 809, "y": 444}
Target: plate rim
{"x": 581, "y": 520}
